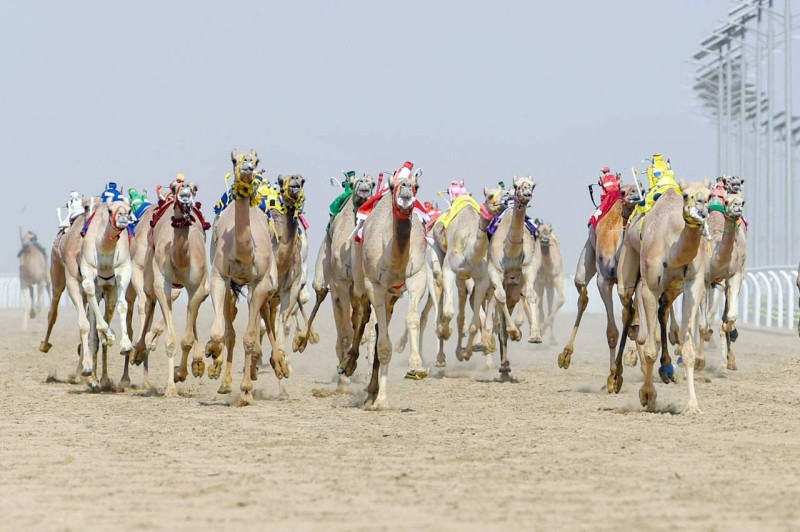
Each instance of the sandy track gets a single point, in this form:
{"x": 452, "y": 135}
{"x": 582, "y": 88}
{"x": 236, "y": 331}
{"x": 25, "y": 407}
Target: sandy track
{"x": 454, "y": 453}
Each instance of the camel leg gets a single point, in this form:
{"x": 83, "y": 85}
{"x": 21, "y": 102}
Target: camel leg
{"x": 443, "y": 328}
{"x": 39, "y": 302}
{"x": 360, "y": 316}
{"x": 230, "y": 310}
{"x": 665, "y": 309}
{"x": 461, "y": 286}
{"x": 502, "y": 337}
{"x": 94, "y": 341}
{"x": 605, "y": 287}
{"x": 557, "y": 288}
{"x": 59, "y": 283}
{"x": 692, "y": 296}
{"x": 109, "y": 294}
{"x": 384, "y": 347}
{"x": 531, "y": 301}
{"x": 197, "y": 295}
{"x": 343, "y": 317}
{"x": 27, "y": 306}
{"x": 213, "y": 349}
{"x": 734, "y": 284}
{"x": 416, "y": 285}
{"x": 160, "y": 285}
{"x": 500, "y": 296}
{"x": 647, "y": 393}
{"x": 74, "y": 291}
{"x": 481, "y": 286}
{"x": 123, "y": 279}
{"x": 587, "y": 267}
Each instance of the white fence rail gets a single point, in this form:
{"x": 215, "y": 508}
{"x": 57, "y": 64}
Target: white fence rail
{"x": 11, "y": 295}
{"x": 769, "y": 297}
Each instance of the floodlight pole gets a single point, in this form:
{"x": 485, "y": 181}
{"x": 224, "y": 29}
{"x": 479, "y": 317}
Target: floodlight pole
{"x": 755, "y": 188}
{"x": 770, "y": 134}
{"x": 720, "y": 164}
{"x": 789, "y": 192}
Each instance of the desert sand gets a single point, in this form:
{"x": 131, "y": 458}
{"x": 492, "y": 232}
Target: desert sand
{"x": 452, "y": 453}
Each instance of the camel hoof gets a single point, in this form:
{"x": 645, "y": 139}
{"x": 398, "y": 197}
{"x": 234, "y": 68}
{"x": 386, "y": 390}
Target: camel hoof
{"x": 178, "y": 375}
{"x": 667, "y": 373}
{"x": 440, "y": 364}
{"x": 213, "y": 349}
{"x": 536, "y": 340}
{"x": 224, "y": 388}
{"x": 125, "y": 347}
{"x": 515, "y": 335}
{"x": 94, "y": 386}
{"x": 44, "y": 347}
{"x": 279, "y": 365}
{"x": 416, "y": 374}
{"x": 245, "y": 399}
{"x": 699, "y": 364}
{"x": 565, "y": 358}
{"x": 734, "y": 334}
{"x": 732, "y": 365}
{"x": 348, "y": 366}
{"x": 124, "y": 383}
{"x": 630, "y": 358}
{"x": 444, "y": 332}
{"x": 478, "y": 347}
{"x": 647, "y": 397}
{"x": 87, "y": 372}
{"x": 299, "y": 343}
{"x": 198, "y": 368}
{"x": 314, "y": 338}
{"x": 106, "y": 385}
{"x": 215, "y": 369}
{"x": 706, "y": 335}
{"x": 693, "y": 408}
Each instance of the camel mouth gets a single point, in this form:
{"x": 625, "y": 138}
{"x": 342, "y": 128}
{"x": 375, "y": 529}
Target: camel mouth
{"x": 405, "y": 201}
{"x": 363, "y": 191}
{"x": 122, "y": 221}
{"x": 545, "y": 240}
{"x": 698, "y": 215}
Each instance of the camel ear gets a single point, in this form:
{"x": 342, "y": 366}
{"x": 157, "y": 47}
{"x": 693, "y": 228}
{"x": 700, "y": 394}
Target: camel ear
{"x": 486, "y": 192}
{"x": 707, "y": 183}
{"x": 515, "y": 180}
{"x": 254, "y": 154}
{"x": 280, "y": 180}
{"x": 302, "y": 180}
{"x": 683, "y": 184}
{"x": 234, "y": 156}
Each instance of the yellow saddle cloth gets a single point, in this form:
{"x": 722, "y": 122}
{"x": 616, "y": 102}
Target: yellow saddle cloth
{"x": 665, "y": 183}
{"x": 271, "y": 197}
{"x": 459, "y": 204}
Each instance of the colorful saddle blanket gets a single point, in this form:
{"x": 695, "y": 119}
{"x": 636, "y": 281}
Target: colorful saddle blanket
{"x": 530, "y": 225}
{"x": 459, "y": 204}
{"x": 609, "y": 198}
{"x": 665, "y": 183}
{"x": 366, "y": 209}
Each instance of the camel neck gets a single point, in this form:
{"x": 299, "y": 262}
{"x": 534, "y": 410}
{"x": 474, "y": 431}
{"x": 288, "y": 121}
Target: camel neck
{"x": 516, "y": 234}
{"x": 288, "y": 238}
{"x": 684, "y": 250}
{"x": 111, "y": 234}
{"x": 401, "y": 242}
{"x": 243, "y": 249}
{"x": 727, "y": 243}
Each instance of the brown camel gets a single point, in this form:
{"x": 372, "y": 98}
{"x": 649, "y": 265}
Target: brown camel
{"x": 461, "y": 249}
{"x": 659, "y": 261}
{"x": 176, "y": 257}
{"x": 549, "y": 279}
{"x": 511, "y": 265}
{"x": 287, "y": 252}
{"x": 600, "y": 256}
{"x": 33, "y": 274}
{"x": 241, "y": 252}
{"x": 390, "y": 260}
{"x": 725, "y": 255}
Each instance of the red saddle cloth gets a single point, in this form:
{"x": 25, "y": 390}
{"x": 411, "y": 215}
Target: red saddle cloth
{"x": 609, "y": 198}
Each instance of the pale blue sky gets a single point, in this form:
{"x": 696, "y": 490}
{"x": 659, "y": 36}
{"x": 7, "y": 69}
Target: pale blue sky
{"x": 138, "y": 91}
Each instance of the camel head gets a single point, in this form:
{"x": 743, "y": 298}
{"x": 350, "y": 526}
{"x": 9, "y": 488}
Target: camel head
{"x": 184, "y": 194}
{"x": 733, "y": 184}
{"x": 493, "y": 204}
{"x": 362, "y": 188}
{"x": 292, "y": 193}
{"x": 523, "y": 191}
{"x": 630, "y": 197}
{"x": 27, "y": 237}
{"x": 119, "y": 213}
{"x": 545, "y": 233}
{"x": 734, "y": 206}
{"x": 695, "y": 202}
{"x": 244, "y": 165}
{"x": 403, "y": 186}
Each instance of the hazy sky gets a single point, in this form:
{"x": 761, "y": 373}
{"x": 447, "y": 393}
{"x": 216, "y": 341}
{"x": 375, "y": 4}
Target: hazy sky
{"x": 138, "y": 91}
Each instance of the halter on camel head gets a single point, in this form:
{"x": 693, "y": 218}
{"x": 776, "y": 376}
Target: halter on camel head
{"x": 403, "y": 187}
{"x": 523, "y": 191}
{"x": 292, "y": 193}
{"x": 245, "y": 178}
{"x": 362, "y": 189}
{"x": 119, "y": 214}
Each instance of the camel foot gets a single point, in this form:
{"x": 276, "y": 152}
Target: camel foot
{"x": 44, "y": 347}
{"x": 125, "y": 382}
{"x": 108, "y": 337}
{"x": 734, "y": 334}
{"x": 314, "y": 338}
{"x": 672, "y": 336}
{"x": 348, "y": 365}
{"x": 279, "y": 365}
{"x": 245, "y": 399}
{"x": 705, "y": 334}
{"x": 514, "y": 334}
{"x": 379, "y": 403}
{"x": 198, "y": 368}
{"x": 300, "y": 342}
{"x": 225, "y": 386}
{"x": 444, "y": 331}
{"x": 440, "y": 362}
{"x": 564, "y": 358}
{"x": 125, "y": 346}
{"x": 630, "y": 358}
{"x": 699, "y": 364}
{"x": 732, "y": 364}
{"x": 215, "y": 369}
{"x": 416, "y": 374}
{"x": 94, "y": 386}
{"x": 178, "y": 375}
{"x": 213, "y": 349}
{"x": 614, "y": 382}
{"x": 478, "y": 347}
{"x": 106, "y": 385}
{"x": 667, "y": 373}
{"x": 693, "y": 408}
{"x": 647, "y": 396}
{"x": 87, "y": 371}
